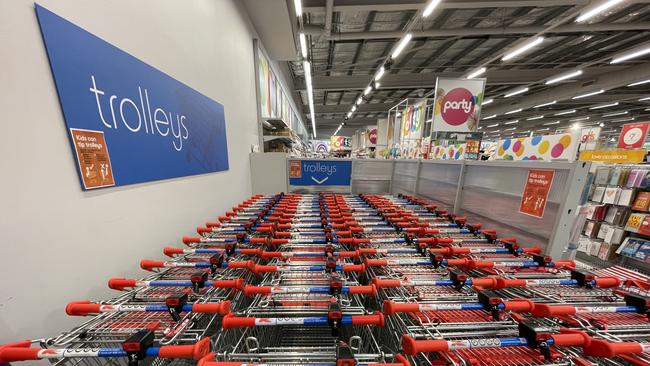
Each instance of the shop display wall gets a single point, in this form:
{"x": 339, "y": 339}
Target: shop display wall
{"x": 61, "y": 243}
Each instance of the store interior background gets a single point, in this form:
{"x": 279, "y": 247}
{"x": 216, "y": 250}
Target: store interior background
{"x": 61, "y": 243}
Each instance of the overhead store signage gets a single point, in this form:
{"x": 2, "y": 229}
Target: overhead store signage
{"x": 372, "y": 135}
{"x": 458, "y": 104}
{"x": 633, "y": 135}
{"x": 536, "y": 191}
{"x": 547, "y": 147}
{"x": 320, "y": 146}
{"x": 149, "y": 125}
{"x": 320, "y": 173}
{"x": 618, "y": 156}
{"x": 340, "y": 143}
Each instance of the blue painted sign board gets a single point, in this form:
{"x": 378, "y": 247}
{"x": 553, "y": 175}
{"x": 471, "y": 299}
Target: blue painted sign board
{"x": 154, "y": 127}
{"x": 320, "y": 173}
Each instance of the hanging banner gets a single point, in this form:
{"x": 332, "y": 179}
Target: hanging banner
{"x": 371, "y": 136}
{"x": 458, "y": 104}
{"x": 633, "y": 135}
{"x": 589, "y": 138}
{"x": 547, "y": 147}
{"x": 320, "y": 146}
{"x": 536, "y": 190}
{"x": 340, "y": 143}
{"x": 149, "y": 125}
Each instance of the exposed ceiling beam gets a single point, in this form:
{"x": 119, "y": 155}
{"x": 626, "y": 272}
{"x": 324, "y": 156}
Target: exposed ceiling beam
{"x": 362, "y": 121}
{"x": 317, "y": 6}
{"x": 428, "y": 80}
{"x": 343, "y": 108}
{"x": 477, "y": 32}
{"x": 565, "y": 92}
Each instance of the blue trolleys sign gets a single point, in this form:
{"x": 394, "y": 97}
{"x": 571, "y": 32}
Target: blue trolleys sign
{"x": 127, "y": 121}
{"x": 319, "y": 173}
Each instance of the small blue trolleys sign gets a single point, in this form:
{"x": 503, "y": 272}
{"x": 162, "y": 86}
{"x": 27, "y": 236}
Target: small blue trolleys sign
{"x": 139, "y": 124}
{"x": 320, "y": 173}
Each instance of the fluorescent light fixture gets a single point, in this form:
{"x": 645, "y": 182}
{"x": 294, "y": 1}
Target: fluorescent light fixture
{"x": 593, "y": 11}
{"x": 486, "y": 102}
{"x": 615, "y": 114}
{"x": 514, "y": 111}
{"x": 476, "y": 73}
{"x": 377, "y": 85}
{"x": 534, "y": 118}
{"x": 494, "y": 125}
{"x": 543, "y": 129}
{"x": 512, "y": 122}
{"x": 565, "y": 112}
{"x": 640, "y": 82}
{"x": 495, "y": 131}
{"x": 523, "y": 48}
{"x": 564, "y": 77}
{"x": 644, "y": 99}
{"x": 402, "y": 44}
{"x": 604, "y": 106}
{"x": 545, "y": 104}
{"x": 623, "y": 119}
{"x": 349, "y": 114}
{"x": 360, "y": 100}
{"x": 368, "y": 90}
{"x": 303, "y": 44}
{"x": 552, "y": 123}
{"x": 579, "y": 119}
{"x": 380, "y": 73}
{"x": 510, "y": 129}
{"x": 310, "y": 94}
{"x": 354, "y": 108}
{"x": 516, "y": 92}
{"x": 575, "y": 126}
{"x": 601, "y": 124}
{"x": 637, "y": 52}
{"x": 589, "y": 94}
{"x": 429, "y": 8}
{"x": 490, "y": 117}
{"x": 298, "y": 5}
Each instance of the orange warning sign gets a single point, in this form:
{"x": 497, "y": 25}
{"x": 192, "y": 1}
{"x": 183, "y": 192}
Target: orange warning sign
{"x": 536, "y": 190}
{"x": 295, "y": 169}
{"x": 92, "y": 156}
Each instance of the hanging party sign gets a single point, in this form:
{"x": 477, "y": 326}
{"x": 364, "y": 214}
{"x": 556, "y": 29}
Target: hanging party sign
{"x": 340, "y": 143}
{"x": 633, "y": 135}
{"x": 371, "y": 134}
{"x": 458, "y": 104}
{"x": 536, "y": 191}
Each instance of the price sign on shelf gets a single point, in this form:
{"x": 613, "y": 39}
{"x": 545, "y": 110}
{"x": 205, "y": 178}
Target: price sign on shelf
{"x": 633, "y": 135}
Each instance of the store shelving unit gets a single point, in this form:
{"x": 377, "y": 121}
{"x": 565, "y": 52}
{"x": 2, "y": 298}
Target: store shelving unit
{"x": 617, "y": 228}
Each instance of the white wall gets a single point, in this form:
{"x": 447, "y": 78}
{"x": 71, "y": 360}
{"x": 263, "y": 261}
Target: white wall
{"x": 61, "y": 244}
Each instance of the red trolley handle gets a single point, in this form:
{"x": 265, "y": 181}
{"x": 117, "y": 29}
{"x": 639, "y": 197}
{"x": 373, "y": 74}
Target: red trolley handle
{"x": 85, "y": 308}
{"x": 194, "y": 351}
{"x": 171, "y": 252}
{"x": 391, "y": 307}
{"x": 412, "y": 347}
{"x": 22, "y": 351}
{"x": 607, "y": 282}
{"x": 380, "y": 283}
{"x": 203, "y": 230}
{"x": 187, "y": 240}
{"x": 354, "y": 268}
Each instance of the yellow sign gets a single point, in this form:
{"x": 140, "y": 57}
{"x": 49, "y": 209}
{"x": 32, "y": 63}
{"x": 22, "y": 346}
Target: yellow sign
{"x": 614, "y": 156}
